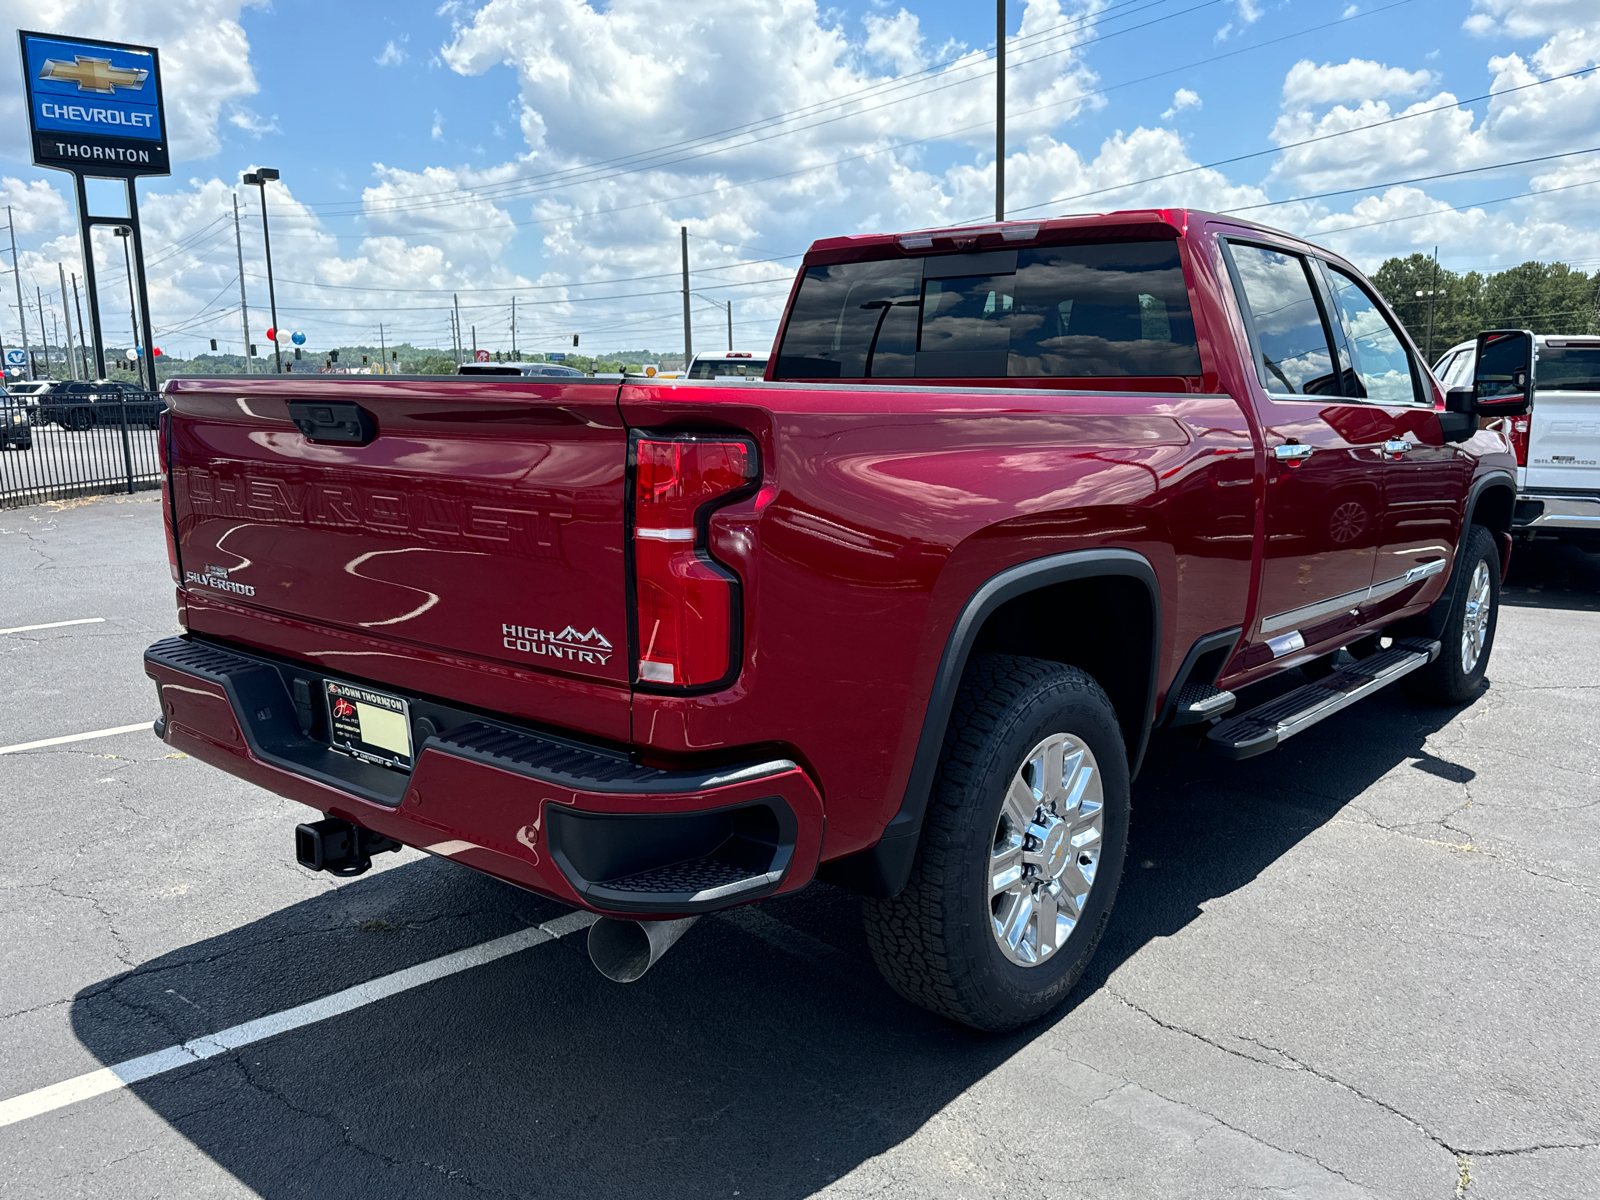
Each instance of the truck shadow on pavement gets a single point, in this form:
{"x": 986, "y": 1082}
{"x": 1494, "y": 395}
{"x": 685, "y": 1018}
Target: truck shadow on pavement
{"x": 1553, "y": 575}
{"x": 761, "y": 1056}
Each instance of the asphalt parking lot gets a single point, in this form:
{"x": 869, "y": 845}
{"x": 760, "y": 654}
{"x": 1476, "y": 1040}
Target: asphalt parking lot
{"x": 1362, "y": 965}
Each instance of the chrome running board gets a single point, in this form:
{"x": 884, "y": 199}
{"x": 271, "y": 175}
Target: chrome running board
{"x": 1261, "y": 729}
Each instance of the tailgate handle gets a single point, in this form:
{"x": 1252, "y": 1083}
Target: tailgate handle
{"x": 337, "y": 421}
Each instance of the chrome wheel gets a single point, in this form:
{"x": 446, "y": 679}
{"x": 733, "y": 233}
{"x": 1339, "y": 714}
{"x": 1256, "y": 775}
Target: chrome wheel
{"x": 1475, "y": 620}
{"x": 1046, "y": 849}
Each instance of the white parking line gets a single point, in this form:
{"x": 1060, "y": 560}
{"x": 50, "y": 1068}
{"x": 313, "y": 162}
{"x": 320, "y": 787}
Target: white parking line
{"x": 75, "y": 737}
{"x": 135, "y": 1070}
{"x": 55, "y": 625}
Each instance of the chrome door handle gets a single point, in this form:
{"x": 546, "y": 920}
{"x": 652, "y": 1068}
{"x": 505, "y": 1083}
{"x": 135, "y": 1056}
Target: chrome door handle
{"x": 1292, "y": 452}
{"x": 1396, "y": 446}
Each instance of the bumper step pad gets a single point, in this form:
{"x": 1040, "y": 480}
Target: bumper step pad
{"x": 1261, "y": 729}
{"x": 1199, "y": 702}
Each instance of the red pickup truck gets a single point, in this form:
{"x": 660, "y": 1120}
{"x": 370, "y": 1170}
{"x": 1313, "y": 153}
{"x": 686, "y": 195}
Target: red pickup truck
{"x": 902, "y": 615}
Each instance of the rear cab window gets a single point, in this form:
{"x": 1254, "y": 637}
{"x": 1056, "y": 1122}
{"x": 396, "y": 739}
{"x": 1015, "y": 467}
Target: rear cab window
{"x": 1085, "y": 310}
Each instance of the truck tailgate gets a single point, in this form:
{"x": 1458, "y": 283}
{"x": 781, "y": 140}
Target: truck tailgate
{"x": 482, "y": 518}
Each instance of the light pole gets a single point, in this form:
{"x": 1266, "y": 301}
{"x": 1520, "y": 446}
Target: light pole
{"x": 1000, "y": 110}
{"x": 125, "y": 232}
{"x": 260, "y": 177}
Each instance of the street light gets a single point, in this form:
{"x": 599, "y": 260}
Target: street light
{"x": 125, "y": 232}
{"x": 260, "y": 177}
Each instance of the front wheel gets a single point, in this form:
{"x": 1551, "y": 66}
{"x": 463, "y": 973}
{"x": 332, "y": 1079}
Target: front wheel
{"x": 1021, "y": 852}
{"x": 1471, "y": 612}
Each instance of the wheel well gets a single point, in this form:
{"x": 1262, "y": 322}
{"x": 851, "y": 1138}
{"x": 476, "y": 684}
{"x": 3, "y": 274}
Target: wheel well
{"x": 1102, "y": 625}
{"x": 1492, "y": 509}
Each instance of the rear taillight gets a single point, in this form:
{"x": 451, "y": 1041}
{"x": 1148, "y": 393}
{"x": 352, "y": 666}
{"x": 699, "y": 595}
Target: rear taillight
{"x": 163, "y": 455}
{"x": 686, "y": 602}
{"x": 1519, "y": 439}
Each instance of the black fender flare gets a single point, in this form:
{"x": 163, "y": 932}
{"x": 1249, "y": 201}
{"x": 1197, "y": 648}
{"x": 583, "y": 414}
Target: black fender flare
{"x": 1495, "y": 479}
{"x": 883, "y": 870}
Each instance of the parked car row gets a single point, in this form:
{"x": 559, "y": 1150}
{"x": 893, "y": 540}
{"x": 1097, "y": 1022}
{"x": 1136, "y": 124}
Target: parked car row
{"x": 74, "y": 404}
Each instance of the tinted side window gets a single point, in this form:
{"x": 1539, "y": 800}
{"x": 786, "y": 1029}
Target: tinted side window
{"x": 845, "y": 311}
{"x": 1066, "y": 311}
{"x": 1378, "y": 357}
{"x": 1295, "y": 356}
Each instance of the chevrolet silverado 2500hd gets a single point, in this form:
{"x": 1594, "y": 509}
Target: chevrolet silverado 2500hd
{"x": 902, "y": 615}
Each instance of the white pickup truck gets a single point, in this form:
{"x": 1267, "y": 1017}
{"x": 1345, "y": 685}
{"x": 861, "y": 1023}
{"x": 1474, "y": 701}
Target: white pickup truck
{"x": 1557, "y": 442}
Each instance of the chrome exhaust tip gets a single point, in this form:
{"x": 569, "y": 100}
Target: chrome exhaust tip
{"x": 624, "y": 950}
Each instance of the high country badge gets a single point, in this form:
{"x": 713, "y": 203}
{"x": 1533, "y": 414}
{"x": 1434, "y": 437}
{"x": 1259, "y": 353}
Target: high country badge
{"x": 569, "y": 644}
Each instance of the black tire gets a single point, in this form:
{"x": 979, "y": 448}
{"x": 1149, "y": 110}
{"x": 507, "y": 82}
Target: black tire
{"x": 935, "y": 943}
{"x": 1448, "y": 680}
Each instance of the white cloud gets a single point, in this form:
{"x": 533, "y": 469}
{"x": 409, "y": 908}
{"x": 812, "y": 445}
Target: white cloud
{"x": 438, "y": 127}
{"x": 897, "y": 40}
{"x": 1528, "y": 18}
{"x": 251, "y": 122}
{"x": 205, "y": 60}
{"x": 1358, "y": 79}
{"x": 393, "y": 53}
{"x": 1181, "y": 99}
{"x": 36, "y": 206}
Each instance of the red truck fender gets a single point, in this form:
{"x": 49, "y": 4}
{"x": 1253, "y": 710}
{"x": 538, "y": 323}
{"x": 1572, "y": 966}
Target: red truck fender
{"x": 882, "y": 870}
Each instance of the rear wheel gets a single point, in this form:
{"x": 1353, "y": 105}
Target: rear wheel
{"x": 1021, "y": 853}
{"x": 1471, "y": 610}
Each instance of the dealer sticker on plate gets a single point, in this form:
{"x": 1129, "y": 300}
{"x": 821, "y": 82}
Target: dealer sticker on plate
{"x": 374, "y": 726}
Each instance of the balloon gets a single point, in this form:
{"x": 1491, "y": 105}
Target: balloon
{"x": 299, "y": 339}
{"x": 132, "y": 354}
{"x": 272, "y": 335}
{"x": 158, "y": 351}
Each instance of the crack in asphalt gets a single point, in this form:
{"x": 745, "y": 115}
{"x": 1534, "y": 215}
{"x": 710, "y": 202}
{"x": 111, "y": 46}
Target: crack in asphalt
{"x": 1301, "y": 1065}
{"x": 348, "y": 1138}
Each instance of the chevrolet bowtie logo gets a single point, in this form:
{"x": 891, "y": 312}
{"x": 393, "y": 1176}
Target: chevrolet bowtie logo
{"x": 94, "y": 74}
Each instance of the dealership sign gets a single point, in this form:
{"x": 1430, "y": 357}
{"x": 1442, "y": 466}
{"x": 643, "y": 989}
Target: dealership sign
{"x": 95, "y": 107}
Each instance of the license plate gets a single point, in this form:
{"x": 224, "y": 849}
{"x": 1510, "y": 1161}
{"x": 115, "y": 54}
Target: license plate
{"x": 369, "y": 725}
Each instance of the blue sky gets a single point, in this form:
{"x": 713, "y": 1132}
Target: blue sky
{"x": 471, "y": 150}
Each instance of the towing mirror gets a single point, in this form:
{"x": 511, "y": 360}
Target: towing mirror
{"x": 1502, "y": 381}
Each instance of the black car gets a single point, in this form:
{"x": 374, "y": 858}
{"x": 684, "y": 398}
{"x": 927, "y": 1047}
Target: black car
{"x": 15, "y": 427}
{"x": 106, "y": 402}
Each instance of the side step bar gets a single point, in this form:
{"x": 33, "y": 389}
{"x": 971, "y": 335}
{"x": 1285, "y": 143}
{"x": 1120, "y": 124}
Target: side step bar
{"x": 1261, "y": 729}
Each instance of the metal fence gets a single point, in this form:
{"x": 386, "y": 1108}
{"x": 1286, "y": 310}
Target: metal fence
{"x": 77, "y": 446}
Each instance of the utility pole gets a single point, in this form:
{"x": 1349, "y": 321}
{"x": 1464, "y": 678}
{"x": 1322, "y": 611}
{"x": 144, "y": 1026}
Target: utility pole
{"x": 999, "y": 110}
{"x": 72, "y": 354}
{"x": 44, "y": 334}
{"x": 474, "y": 343}
{"x": 383, "y": 348}
{"x": 16, "y": 271}
{"x": 1432, "y": 293}
{"x": 78, "y": 304}
{"x": 688, "y": 333}
{"x": 457, "y": 299}
{"x": 514, "y": 357}
{"x": 244, "y": 312}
